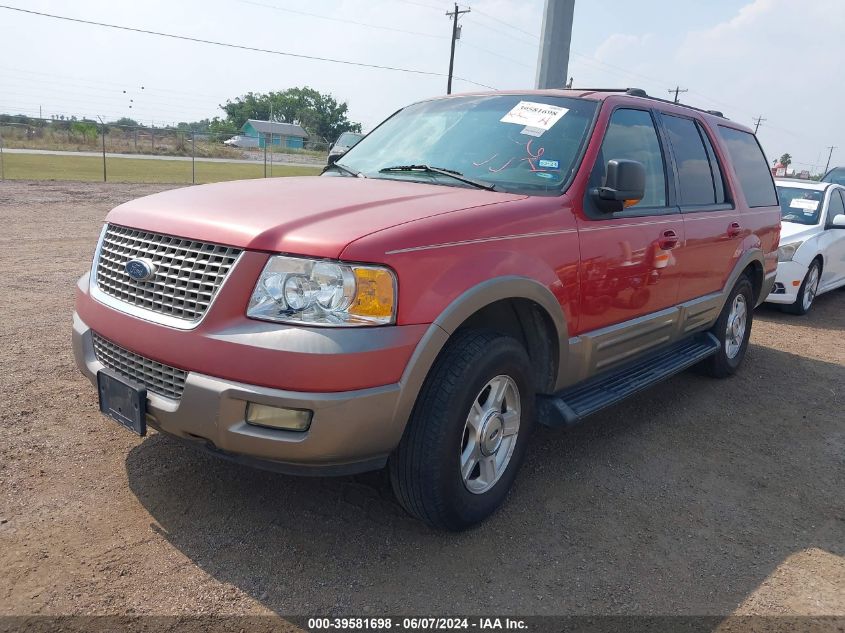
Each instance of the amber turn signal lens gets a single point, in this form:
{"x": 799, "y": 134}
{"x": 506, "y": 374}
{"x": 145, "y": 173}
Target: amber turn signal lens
{"x": 376, "y": 295}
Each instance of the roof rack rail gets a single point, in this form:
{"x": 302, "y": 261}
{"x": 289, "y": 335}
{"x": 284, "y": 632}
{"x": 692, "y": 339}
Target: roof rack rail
{"x": 639, "y": 92}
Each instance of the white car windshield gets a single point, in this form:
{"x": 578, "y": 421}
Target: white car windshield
{"x": 801, "y": 206}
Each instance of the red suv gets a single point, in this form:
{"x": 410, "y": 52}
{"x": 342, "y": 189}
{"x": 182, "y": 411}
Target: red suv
{"x": 476, "y": 263}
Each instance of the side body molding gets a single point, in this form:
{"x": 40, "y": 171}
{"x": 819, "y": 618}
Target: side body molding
{"x": 608, "y": 348}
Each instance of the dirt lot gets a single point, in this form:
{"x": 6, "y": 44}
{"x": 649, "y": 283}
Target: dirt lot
{"x": 697, "y": 497}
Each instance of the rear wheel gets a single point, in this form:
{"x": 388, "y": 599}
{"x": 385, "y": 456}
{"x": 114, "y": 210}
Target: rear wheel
{"x": 468, "y": 432}
{"x": 732, "y": 329}
{"x": 808, "y": 292}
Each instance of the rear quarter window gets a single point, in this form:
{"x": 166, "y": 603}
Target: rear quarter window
{"x": 751, "y": 167}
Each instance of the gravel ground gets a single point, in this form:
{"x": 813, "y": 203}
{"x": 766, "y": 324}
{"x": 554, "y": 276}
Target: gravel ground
{"x": 697, "y": 497}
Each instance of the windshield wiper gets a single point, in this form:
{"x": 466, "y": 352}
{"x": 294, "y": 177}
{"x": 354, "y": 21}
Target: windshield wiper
{"x": 348, "y": 170}
{"x": 442, "y": 171}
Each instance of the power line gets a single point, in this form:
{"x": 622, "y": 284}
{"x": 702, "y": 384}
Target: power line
{"x": 342, "y": 20}
{"x": 510, "y": 26}
{"x": 243, "y": 47}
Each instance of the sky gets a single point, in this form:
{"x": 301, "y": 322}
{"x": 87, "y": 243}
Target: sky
{"x": 779, "y": 59}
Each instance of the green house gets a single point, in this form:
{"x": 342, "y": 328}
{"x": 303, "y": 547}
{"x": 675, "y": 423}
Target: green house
{"x": 283, "y": 134}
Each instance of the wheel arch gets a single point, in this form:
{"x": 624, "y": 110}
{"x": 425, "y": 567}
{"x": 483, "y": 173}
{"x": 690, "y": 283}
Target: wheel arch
{"x": 513, "y": 305}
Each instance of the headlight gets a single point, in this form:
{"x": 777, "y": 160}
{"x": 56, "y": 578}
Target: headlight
{"x": 787, "y": 251}
{"x": 315, "y": 292}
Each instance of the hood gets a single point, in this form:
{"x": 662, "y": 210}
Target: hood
{"x": 306, "y": 216}
{"x": 794, "y": 232}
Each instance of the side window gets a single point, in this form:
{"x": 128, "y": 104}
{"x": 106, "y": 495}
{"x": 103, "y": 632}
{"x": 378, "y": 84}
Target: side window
{"x": 631, "y": 135}
{"x": 694, "y": 175}
{"x": 835, "y": 206}
{"x": 718, "y": 181}
{"x": 751, "y": 167}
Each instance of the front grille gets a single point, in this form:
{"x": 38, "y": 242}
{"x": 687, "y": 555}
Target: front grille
{"x": 157, "y": 377}
{"x": 188, "y": 273}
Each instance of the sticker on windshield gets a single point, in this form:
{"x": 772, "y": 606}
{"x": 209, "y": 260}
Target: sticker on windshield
{"x": 549, "y": 164}
{"x": 545, "y": 174}
{"x": 803, "y": 203}
{"x": 536, "y": 117}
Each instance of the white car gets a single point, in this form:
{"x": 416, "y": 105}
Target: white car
{"x": 242, "y": 141}
{"x": 811, "y": 257}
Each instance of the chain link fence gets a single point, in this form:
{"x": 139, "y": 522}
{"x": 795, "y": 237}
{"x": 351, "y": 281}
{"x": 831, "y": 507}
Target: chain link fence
{"x": 48, "y": 149}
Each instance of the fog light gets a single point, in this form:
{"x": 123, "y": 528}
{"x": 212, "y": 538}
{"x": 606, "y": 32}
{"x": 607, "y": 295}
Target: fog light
{"x": 278, "y": 418}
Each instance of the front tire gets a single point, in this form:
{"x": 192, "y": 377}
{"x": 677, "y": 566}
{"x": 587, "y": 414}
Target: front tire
{"x": 808, "y": 292}
{"x": 468, "y": 432}
{"x": 733, "y": 330}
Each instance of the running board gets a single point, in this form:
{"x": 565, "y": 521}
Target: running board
{"x": 570, "y": 406}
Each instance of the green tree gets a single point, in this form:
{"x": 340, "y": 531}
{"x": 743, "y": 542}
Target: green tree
{"x": 320, "y": 114}
{"x": 86, "y": 129}
{"x": 785, "y": 160}
{"x": 125, "y": 121}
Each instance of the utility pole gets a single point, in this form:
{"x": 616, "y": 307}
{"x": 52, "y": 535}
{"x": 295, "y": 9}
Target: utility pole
{"x": 676, "y": 90}
{"x": 829, "y": 155}
{"x": 757, "y": 123}
{"x": 103, "y": 123}
{"x": 555, "y": 38}
{"x": 456, "y": 34}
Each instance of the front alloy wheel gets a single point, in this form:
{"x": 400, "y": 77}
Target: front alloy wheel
{"x": 468, "y": 431}
{"x": 490, "y": 434}
{"x": 808, "y": 292}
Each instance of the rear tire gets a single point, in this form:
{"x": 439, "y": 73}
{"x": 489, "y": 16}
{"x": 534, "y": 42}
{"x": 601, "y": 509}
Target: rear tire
{"x": 808, "y": 292}
{"x": 468, "y": 432}
{"x": 733, "y": 329}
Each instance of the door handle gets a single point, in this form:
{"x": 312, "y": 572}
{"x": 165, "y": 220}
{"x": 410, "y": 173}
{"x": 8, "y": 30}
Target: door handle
{"x": 668, "y": 240}
{"x": 734, "y": 229}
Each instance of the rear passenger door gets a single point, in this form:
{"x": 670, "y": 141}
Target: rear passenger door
{"x": 711, "y": 222}
{"x": 628, "y": 267}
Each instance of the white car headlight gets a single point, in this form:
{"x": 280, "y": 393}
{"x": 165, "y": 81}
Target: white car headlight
{"x": 787, "y": 251}
{"x": 327, "y": 293}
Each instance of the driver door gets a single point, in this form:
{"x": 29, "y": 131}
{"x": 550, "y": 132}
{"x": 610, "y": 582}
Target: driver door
{"x": 833, "y": 244}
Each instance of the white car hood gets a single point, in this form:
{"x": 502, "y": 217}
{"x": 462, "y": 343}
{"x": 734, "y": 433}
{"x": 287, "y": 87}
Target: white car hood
{"x": 794, "y": 232}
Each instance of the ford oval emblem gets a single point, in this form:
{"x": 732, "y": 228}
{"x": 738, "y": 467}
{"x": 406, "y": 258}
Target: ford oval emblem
{"x": 140, "y": 269}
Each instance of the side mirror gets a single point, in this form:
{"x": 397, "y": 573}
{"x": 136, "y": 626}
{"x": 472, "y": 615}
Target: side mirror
{"x": 333, "y": 158}
{"x": 624, "y": 185}
{"x": 838, "y": 221}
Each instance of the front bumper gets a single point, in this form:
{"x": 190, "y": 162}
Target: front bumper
{"x": 789, "y": 277}
{"x": 351, "y": 431}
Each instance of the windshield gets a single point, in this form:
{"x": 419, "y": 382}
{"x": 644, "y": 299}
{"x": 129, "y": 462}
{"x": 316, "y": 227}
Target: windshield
{"x": 348, "y": 139}
{"x": 801, "y": 206}
{"x": 836, "y": 176}
{"x": 519, "y": 143}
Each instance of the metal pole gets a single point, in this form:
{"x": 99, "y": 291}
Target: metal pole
{"x": 193, "y": 158}
{"x": 104, "y": 147}
{"x": 676, "y": 90}
{"x": 271, "y": 162}
{"x": 829, "y": 155}
{"x": 553, "y": 60}
{"x": 457, "y": 13}
{"x": 265, "y": 155}
{"x": 2, "y": 168}
{"x": 757, "y": 123}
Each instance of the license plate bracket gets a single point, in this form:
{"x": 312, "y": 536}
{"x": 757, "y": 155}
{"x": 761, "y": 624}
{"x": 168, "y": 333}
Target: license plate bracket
{"x": 123, "y": 400}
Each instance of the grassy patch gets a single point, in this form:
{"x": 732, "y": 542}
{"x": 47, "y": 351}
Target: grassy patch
{"x": 90, "y": 168}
